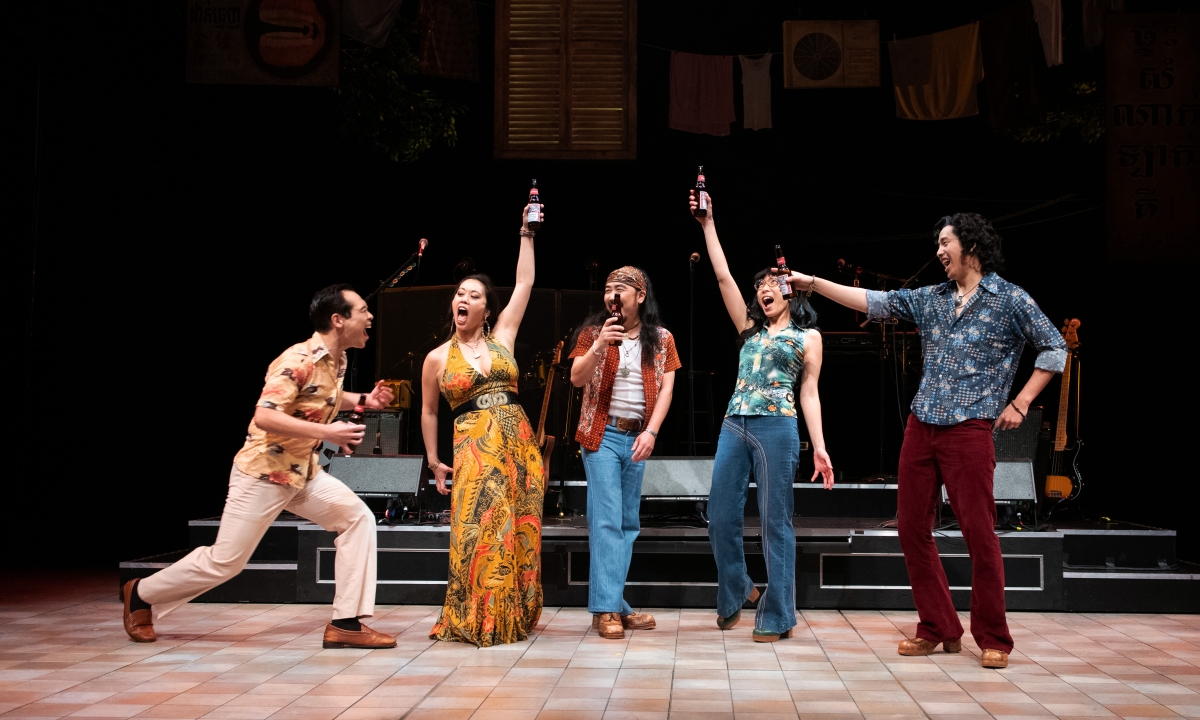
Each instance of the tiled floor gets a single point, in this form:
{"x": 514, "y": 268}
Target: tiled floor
{"x": 63, "y": 653}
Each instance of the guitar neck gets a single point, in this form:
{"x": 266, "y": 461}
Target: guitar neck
{"x": 1064, "y": 397}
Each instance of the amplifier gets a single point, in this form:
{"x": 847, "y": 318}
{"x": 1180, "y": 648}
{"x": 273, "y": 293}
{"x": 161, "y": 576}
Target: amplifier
{"x": 1020, "y": 443}
{"x": 391, "y": 425}
{"x": 1012, "y": 482}
{"x": 378, "y": 475}
{"x": 677, "y": 477}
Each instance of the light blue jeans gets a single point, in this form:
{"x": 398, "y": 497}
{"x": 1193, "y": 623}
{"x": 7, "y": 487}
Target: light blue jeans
{"x": 770, "y": 447}
{"x": 614, "y": 497}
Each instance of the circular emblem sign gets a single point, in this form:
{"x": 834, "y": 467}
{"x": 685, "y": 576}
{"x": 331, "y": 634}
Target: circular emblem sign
{"x": 817, "y": 56}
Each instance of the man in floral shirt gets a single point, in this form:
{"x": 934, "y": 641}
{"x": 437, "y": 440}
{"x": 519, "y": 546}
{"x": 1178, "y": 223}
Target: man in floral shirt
{"x": 973, "y": 329}
{"x": 277, "y": 470}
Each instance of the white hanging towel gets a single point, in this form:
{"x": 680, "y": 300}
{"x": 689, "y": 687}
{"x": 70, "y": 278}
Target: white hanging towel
{"x": 1048, "y": 14}
{"x": 756, "y": 92}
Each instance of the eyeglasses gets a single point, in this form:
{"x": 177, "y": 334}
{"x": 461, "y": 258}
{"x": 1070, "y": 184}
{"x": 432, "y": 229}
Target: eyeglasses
{"x": 759, "y": 283}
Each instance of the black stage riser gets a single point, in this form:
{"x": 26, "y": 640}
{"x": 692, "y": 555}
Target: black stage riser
{"x": 838, "y": 565}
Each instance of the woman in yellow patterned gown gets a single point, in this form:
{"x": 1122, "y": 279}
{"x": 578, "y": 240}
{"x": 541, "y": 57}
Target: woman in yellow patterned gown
{"x": 494, "y": 590}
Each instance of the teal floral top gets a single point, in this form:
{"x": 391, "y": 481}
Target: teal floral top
{"x": 768, "y": 370}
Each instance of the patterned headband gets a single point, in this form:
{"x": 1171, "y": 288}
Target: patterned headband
{"x": 628, "y": 275}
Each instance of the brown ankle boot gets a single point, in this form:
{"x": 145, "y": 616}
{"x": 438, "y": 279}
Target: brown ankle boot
{"x": 610, "y": 627}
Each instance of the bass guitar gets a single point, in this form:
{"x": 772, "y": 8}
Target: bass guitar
{"x": 544, "y": 441}
{"x": 1063, "y": 478}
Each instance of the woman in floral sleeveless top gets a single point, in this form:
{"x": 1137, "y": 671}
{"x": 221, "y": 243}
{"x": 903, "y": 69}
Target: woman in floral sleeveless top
{"x": 779, "y": 364}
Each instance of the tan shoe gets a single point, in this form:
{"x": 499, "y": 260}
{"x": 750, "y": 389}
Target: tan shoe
{"x": 366, "y": 638}
{"x": 139, "y": 624}
{"x": 994, "y": 659}
{"x": 920, "y": 646}
{"x": 638, "y": 621}
{"x": 610, "y": 627}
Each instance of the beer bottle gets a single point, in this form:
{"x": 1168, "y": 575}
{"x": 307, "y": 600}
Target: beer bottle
{"x": 616, "y": 315}
{"x": 785, "y": 286}
{"x": 701, "y": 194}
{"x": 533, "y": 219}
{"x": 355, "y": 418}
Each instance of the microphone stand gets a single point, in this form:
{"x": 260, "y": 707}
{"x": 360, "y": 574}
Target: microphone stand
{"x": 390, "y": 282}
{"x": 691, "y": 357}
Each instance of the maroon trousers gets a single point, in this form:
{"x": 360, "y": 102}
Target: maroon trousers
{"x": 963, "y": 458}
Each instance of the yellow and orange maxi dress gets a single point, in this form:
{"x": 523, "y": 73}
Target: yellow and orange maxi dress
{"x": 494, "y": 590}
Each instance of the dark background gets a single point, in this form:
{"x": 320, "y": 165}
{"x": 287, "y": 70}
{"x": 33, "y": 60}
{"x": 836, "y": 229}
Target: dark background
{"x": 178, "y": 232}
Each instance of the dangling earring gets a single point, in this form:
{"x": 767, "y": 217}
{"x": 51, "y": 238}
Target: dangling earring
{"x": 487, "y": 328}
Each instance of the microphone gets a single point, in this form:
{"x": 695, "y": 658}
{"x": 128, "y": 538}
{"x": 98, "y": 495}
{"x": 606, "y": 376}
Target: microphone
{"x": 421, "y": 247}
{"x": 695, "y": 258}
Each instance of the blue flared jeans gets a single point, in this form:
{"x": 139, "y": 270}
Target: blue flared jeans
{"x": 768, "y": 447}
{"x": 614, "y": 499}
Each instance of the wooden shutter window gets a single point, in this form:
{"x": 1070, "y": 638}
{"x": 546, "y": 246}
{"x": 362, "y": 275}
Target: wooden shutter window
{"x": 566, "y": 79}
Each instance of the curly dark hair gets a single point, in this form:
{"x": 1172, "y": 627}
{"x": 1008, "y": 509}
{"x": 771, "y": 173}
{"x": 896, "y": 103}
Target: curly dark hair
{"x": 802, "y": 312}
{"x": 977, "y": 237}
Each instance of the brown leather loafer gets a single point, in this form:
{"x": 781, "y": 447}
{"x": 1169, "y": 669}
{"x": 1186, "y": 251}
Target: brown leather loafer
{"x": 921, "y": 646}
{"x": 994, "y": 659}
{"x": 139, "y": 624}
{"x": 366, "y": 638}
{"x": 610, "y": 627}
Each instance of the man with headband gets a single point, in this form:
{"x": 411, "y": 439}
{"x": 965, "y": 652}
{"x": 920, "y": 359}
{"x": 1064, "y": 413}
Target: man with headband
{"x": 627, "y": 392}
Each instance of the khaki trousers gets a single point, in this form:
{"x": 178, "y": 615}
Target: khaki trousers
{"x": 250, "y": 508}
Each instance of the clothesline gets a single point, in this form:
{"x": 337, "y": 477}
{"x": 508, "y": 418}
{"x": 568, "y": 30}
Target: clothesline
{"x": 929, "y": 233}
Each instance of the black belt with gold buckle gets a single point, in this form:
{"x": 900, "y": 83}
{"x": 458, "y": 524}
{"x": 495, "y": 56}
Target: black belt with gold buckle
{"x": 625, "y": 424}
{"x": 485, "y": 402}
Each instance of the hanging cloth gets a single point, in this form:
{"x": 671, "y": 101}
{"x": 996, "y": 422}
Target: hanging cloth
{"x": 756, "y": 92}
{"x": 449, "y": 35}
{"x": 369, "y": 21}
{"x": 1093, "y": 19}
{"x": 935, "y": 75}
{"x": 1049, "y": 20}
{"x": 1012, "y": 62}
{"x": 701, "y": 93}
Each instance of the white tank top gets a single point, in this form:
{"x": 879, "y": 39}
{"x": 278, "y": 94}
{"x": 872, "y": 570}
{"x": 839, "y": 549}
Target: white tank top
{"x": 629, "y": 395}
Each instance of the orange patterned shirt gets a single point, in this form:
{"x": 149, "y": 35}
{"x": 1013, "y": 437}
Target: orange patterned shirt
{"x": 305, "y": 382}
{"x": 597, "y": 394}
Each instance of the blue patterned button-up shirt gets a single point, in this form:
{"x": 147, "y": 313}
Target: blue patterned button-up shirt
{"x": 970, "y": 359}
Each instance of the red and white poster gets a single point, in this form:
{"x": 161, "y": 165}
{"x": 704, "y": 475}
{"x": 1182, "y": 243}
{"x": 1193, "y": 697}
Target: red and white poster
{"x": 263, "y": 42}
{"x": 1153, "y": 137}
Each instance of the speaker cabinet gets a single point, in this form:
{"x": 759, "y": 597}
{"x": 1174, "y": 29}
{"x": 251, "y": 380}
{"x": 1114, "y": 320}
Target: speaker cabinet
{"x": 1012, "y": 482}
{"x": 378, "y": 475}
{"x": 677, "y": 477}
{"x": 392, "y": 426}
{"x": 1020, "y": 443}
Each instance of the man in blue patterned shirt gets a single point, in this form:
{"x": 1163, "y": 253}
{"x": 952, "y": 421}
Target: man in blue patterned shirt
{"x": 973, "y": 329}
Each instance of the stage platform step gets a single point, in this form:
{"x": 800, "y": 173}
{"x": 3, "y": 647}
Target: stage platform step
{"x": 841, "y": 563}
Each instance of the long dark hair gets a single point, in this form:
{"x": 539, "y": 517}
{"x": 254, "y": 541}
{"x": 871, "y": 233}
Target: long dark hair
{"x": 647, "y": 311}
{"x": 489, "y": 297}
{"x": 802, "y": 313}
{"x": 977, "y": 237}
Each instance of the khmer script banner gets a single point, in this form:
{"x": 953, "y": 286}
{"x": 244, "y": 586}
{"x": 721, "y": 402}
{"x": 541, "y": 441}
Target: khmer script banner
{"x": 1153, "y": 136}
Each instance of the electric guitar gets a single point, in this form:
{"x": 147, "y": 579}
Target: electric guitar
{"x": 1063, "y": 477}
{"x": 544, "y": 441}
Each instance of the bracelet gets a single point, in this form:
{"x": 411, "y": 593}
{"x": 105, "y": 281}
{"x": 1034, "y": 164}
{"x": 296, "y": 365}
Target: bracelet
{"x": 811, "y": 284}
{"x": 526, "y": 233}
{"x": 362, "y": 398}
{"x": 1014, "y": 407}
{"x": 598, "y": 353}
{"x": 433, "y": 464}
{"x": 651, "y": 432}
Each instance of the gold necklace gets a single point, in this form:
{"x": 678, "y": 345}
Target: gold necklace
{"x": 473, "y": 345}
